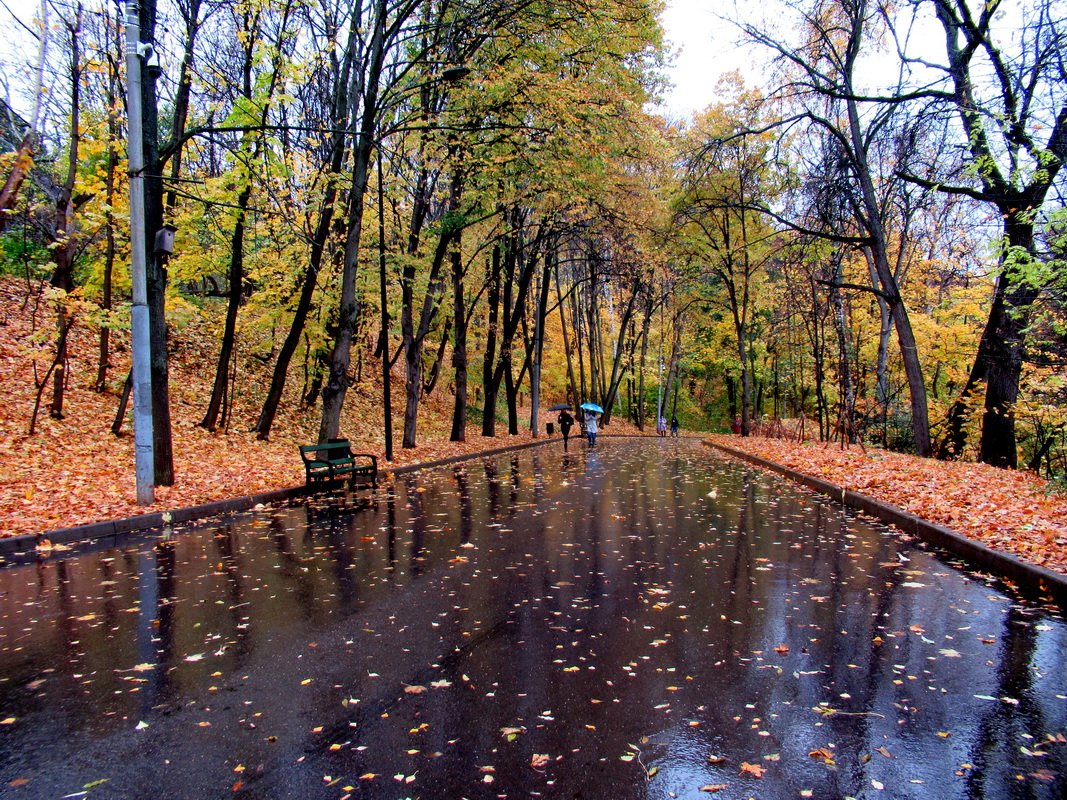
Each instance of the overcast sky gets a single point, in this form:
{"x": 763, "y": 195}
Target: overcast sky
{"x": 705, "y": 48}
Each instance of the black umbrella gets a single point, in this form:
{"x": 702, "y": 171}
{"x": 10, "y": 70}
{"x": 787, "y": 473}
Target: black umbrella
{"x": 558, "y": 407}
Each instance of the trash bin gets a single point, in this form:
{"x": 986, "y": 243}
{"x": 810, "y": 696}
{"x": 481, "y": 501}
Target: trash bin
{"x": 551, "y": 427}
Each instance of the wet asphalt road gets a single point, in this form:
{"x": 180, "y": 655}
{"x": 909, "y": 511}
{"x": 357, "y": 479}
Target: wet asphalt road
{"x": 641, "y": 620}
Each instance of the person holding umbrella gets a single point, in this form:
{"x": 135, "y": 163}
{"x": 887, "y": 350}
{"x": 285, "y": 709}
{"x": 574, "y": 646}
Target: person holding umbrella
{"x": 592, "y": 412}
{"x": 566, "y": 422}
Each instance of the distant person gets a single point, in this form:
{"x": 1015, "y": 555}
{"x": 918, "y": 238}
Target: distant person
{"x": 661, "y": 426}
{"x": 566, "y": 422}
{"x": 737, "y": 426}
{"x": 591, "y": 427}
{"x": 674, "y": 426}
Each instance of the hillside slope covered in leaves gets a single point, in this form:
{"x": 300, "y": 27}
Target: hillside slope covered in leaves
{"x": 1008, "y": 510}
{"x": 74, "y": 471}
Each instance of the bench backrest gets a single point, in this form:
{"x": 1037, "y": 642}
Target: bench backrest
{"x": 334, "y": 447}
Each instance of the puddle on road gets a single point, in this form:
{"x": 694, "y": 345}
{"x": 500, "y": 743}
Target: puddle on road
{"x": 643, "y": 620}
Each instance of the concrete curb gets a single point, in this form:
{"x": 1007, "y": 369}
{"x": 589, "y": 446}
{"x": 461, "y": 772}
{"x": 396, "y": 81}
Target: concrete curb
{"x": 18, "y": 545}
{"x": 117, "y": 528}
{"x": 1032, "y": 580}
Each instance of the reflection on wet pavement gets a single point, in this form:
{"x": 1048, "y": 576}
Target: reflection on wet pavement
{"x": 643, "y": 620}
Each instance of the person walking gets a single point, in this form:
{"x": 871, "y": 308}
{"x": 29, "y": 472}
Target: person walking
{"x": 674, "y": 426}
{"x": 591, "y": 427}
{"x": 661, "y": 426}
{"x": 566, "y": 422}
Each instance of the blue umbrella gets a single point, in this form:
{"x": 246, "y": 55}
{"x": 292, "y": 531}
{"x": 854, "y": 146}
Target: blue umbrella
{"x": 592, "y": 407}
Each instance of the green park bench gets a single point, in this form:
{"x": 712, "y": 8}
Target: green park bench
{"x": 333, "y": 461}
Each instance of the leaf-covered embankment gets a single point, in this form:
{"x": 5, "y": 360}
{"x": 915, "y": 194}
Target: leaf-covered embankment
{"x": 1008, "y": 510}
{"x": 74, "y": 471}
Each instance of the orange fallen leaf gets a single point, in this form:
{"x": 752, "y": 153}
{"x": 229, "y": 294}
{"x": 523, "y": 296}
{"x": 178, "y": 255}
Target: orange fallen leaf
{"x": 824, "y": 754}
{"x": 755, "y": 770}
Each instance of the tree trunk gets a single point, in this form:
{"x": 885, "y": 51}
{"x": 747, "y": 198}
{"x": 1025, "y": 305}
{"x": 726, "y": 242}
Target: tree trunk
{"x": 645, "y": 326}
{"x": 579, "y": 345}
{"x": 489, "y": 382}
{"x": 221, "y": 386}
{"x": 319, "y": 240}
{"x": 846, "y": 402}
{"x": 621, "y": 352}
{"x": 63, "y": 253}
{"x": 415, "y": 339}
{"x": 998, "y": 363}
{"x": 511, "y": 393}
{"x": 518, "y": 268}
{"x": 434, "y": 373}
{"x": 909, "y": 352}
{"x": 190, "y": 11}
{"x": 340, "y": 356}
{"x": 818, "y": 355}
{"x": 572, "y": 389}
{"x": 296, "y": 327}
{"x": 882, "y": 365}
{"x": 103, "y": 362}
{"x": 156, "y": 273}
{"x": 541, "y": 311}
{"x": 366, "y": 89}
{"x": 459, "y": 346}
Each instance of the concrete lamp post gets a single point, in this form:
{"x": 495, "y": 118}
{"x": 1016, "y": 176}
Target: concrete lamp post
{"x": 141, "y": 372}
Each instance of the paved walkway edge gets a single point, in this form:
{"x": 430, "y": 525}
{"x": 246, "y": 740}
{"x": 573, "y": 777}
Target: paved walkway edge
{"x": 117, "y": 528}
{"x": 1031, "y": 579}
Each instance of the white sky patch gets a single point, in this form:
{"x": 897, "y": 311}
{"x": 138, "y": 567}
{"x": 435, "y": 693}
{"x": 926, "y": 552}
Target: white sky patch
{"x": 706, "y": 47}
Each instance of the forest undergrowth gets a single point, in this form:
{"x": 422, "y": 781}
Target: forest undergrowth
{"x": 73, "y": 470}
